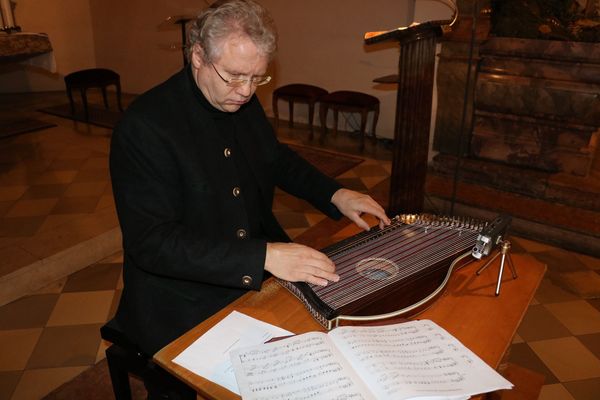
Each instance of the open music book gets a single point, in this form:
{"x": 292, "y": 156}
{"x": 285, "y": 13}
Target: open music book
{"x": 416, "y": 359}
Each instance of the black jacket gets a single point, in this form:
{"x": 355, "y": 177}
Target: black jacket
{"x": 188, "y": 250}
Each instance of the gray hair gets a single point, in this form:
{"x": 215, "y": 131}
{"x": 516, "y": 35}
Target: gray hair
{"x": 226, "y": 17}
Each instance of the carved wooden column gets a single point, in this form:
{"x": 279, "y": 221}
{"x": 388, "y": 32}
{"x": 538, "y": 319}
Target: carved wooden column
{"x": 416, "y": 69}
{"x": 413, "y": 120}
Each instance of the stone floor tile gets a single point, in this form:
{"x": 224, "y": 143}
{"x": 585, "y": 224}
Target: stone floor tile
{"x": 66, "y": 346}
{"x": 27, "y": 312}
{"x": 8, "y": 383}
{"x": 584, "y": 284}
{"x": 83, "y": 189}
{"x": 95, "y": 163}
{"x": 100, "y": 276}
{"x": 550, "y": 292}
{"x": 292, "y": 219}
{"x": 54, "y": 178}
{"x": 588, "y": 389}
{"x": 31, "y": 208}
{"x": 578, "y": 316}
{"x": 592, "y": 342}
{"x": 370, "y": 181}
{"x": 55, "y": 287}
{"x": 521, "y": 354}
{"x": 36, "y": 383}
{"x": 567, "y": 358}
{"x": 538, "y": 324}
{"x": 115, "y": 303}
{"x": 555, "y": 391}
{"x": 44, "y": 191}
{"x": 69, "y": 164}
{"x": 20, "y": 226}
{"x": 54, "y": 221}
{"x": 353, "y": 184}
{"x": 5, "y": 206}
{"x": 560, "y": 261}
{"x": 370, "y": 170}
{"x": 594, "y": 303}
{"x": 12, "y": 192}
{"x": 589, "y": 261}
{"x": 81, "y": 308}
{"x": 76, "y": 205}
{"x": 293, "y": 233}
{"x": 16, "y": 346}
{"x": 92, "y": 175}
{"x": 14, "y": 258}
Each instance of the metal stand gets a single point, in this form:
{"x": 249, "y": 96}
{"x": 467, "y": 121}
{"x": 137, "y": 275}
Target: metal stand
{"x": 504, "y": 251}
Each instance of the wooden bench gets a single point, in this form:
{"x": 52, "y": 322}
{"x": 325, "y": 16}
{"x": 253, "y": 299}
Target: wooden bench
{"x": 349, "y": 101}
{"x": 92, "y": 78}
{"x": 297, "y": 93}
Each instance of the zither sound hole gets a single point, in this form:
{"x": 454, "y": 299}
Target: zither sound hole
{"x": 377, "y": 269}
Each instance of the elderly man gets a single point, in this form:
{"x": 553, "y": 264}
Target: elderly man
{"x": 194, "y": 165}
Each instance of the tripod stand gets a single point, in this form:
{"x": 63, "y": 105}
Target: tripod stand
{"x": 504, "y": 251}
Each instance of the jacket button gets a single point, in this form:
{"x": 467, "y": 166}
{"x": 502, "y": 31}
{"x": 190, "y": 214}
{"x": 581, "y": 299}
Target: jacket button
{"x": 241, "y": 233}
{"x": 246, "y": 280}
{"x": 227, "y": 152}
{"x": 236, "y": 191}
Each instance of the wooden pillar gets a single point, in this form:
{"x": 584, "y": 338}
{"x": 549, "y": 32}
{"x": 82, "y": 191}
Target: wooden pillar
{"x": 413, "y": 119}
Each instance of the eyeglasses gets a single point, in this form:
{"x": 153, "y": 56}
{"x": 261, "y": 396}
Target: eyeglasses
{"x": 237, "y": 82}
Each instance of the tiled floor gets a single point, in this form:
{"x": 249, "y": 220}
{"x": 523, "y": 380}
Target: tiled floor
{"x": 55, "y": 181}
{"x": 55, "y": 194}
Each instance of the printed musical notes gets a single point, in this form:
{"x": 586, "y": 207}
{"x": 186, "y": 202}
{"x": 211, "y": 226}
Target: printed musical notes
{"x": 401, "y": 361}
{"x": 209, "y": 355}
{"x": 301, "y": 367}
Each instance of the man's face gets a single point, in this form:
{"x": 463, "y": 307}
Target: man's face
{"x": 239, "y": 58}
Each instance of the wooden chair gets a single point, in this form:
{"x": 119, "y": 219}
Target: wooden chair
{"x": 349, "y": 101}
{"x": 297, "y": 93}
{"x": 92, "y": 78}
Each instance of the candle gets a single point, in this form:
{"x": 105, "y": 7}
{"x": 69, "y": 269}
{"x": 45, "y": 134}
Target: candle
{"x": 7, "y": 14}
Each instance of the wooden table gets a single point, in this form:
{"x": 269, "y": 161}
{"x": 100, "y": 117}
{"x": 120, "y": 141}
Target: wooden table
{"x": 469, "y": 310}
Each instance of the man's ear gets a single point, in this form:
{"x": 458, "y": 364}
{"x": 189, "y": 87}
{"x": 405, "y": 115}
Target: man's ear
{"x": 197, "y": 56}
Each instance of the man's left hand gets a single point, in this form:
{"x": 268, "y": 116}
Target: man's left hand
{"x": 353, "y": 204}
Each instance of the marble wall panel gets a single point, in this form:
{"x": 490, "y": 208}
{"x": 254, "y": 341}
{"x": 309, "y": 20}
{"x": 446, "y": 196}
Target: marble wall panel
{"x": 530, "y": 143}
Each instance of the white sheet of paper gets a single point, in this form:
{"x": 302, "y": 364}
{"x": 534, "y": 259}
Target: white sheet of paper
{"x": 301, "y": 367}
{"x": 415, "y": 358}
{"x": 209, "y": 357}
{"x": 412, "y": 360}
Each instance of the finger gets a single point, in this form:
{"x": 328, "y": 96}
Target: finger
{"x": 317, "y": 281}
{"x": 322, "y": 269}
{"x": 322, "y": 278}
{"x": 320, "y": 260}
{"x": 371, "y": 208}
{"x": 376, "y": 210}
{"x": 361, "y": 223}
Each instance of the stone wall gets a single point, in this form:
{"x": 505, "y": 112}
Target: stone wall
{"x": 537, "y": 105}
{"x": 518, "y": 125}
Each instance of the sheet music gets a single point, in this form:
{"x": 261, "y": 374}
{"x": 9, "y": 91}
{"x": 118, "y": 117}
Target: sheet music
{"x": 410, "y": 360}
{"x": 209, "y": 357}
{"x": 302, "y": 367}
{"x": 414, "y": 359}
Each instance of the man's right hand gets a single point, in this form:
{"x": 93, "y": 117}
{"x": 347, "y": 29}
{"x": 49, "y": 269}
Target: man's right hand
{"x": 298, "y": 263}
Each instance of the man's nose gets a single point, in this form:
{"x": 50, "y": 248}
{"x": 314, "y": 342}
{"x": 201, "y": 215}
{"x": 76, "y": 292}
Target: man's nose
{"x": 246, "y": 89}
